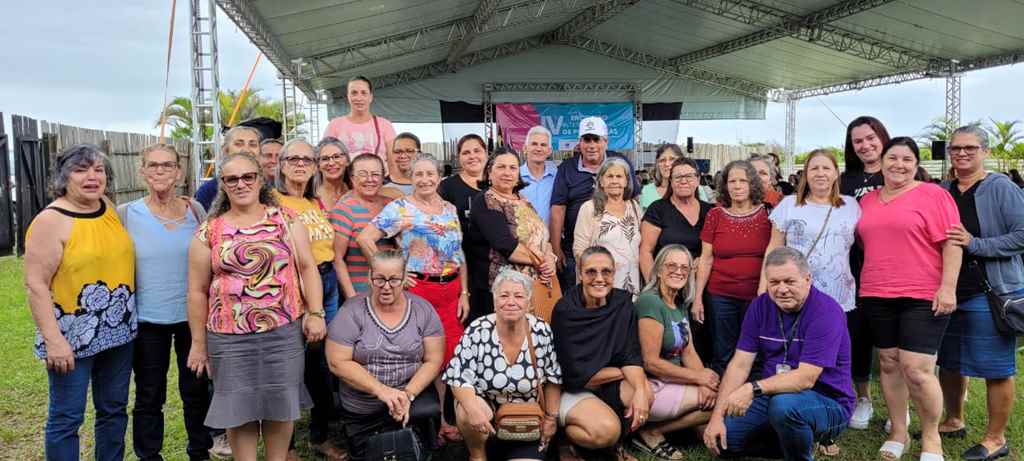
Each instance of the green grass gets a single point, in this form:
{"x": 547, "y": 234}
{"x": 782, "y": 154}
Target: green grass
{"x": 23, "y": 399}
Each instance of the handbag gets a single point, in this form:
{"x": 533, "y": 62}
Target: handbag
{"x": 1007, "y": 311}
{"x": 400, "y": 445}
{"x": 522, "y": 421}
{"x": 545, "y": 295}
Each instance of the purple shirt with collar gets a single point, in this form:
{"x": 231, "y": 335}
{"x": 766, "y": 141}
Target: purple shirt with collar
{"x": 821, "y": 339}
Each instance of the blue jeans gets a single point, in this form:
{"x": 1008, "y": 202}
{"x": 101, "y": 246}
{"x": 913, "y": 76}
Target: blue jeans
{"x": 110, "y": 372}
{"x": 786, "y": 425}
{"x": 329, "y": 280}
{"x": 726, "y": 316}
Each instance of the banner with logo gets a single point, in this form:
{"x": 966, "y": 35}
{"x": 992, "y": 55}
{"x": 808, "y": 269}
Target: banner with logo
{"x": 563, "y": 120}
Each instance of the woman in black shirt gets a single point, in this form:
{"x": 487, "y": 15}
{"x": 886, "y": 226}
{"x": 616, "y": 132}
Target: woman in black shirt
{"x": 676, "y": 218}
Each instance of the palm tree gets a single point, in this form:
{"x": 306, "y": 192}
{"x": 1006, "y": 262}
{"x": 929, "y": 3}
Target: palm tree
{"x": 1005, "y": 137}
{"x": 179, "y": 112}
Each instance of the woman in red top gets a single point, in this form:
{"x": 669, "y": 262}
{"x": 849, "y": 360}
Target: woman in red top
{"x": 908, "y": 285}
{"x": 733, "y": 241}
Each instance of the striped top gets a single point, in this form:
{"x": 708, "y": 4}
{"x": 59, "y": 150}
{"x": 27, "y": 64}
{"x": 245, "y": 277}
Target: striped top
{"x": 349, "y": 217}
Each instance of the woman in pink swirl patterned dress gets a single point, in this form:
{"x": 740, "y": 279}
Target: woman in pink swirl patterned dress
{"x": 248, "y": 311}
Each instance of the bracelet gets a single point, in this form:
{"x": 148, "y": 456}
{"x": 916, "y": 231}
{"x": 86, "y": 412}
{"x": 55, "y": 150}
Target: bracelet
{"x": 464, "y": 292}
{"x": 319, "y": 313}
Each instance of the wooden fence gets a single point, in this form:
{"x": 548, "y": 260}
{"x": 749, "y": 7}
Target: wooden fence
{"x": 124, "y": 151}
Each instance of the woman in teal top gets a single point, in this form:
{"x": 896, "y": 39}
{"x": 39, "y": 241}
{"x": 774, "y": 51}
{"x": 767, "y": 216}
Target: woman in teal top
{"x": 684, "y": 391}
{"x": 663, "y": 160}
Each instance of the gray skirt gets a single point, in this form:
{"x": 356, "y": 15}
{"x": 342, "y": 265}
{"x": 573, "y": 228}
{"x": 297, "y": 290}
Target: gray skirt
{"x": 257, "y": 376}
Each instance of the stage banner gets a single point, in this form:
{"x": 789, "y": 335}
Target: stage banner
{"x": 563, "y": 120}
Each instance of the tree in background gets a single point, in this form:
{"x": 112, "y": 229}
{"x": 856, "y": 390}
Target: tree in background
{"x": 1006, "y": 145}
{"x": 179, "y": 113}
{"x": 837, "y": 151}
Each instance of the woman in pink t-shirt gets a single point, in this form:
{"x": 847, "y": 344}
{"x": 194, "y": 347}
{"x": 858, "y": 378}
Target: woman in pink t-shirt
{"x": 908, "y": 285}
{"x": 360, "y": 130}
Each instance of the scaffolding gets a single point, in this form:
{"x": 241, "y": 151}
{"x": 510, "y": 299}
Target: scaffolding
{"x": 205, "y": 90}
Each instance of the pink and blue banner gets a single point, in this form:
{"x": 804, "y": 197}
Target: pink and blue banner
{"x": 563, "y": 120}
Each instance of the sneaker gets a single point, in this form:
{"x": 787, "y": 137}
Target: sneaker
{"x": 220, "y": 449}
{"x": 888, "y": 423}
{"x": 862, "y": 414}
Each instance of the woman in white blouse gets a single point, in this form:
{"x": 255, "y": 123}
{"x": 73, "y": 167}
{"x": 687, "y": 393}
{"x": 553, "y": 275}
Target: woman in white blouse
{"x": 492, "y": 365}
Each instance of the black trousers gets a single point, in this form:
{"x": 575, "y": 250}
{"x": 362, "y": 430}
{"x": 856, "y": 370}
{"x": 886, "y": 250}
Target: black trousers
{"x": 424, "y": 418}
{"x": 320, "y": 384}
{"x": 861, "y": 346}
{"x": 151, "y": 360}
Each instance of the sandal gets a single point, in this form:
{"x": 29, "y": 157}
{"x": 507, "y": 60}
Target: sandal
{"x": 892, "y": 450}
{"x": 828, "y": 449}
{"x": 663, "y": 450}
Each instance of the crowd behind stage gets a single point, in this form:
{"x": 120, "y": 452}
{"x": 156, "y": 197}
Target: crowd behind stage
{"x": 526, "y": 309}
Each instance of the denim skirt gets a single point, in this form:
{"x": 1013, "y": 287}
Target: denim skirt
{"x": 973, "y": 347}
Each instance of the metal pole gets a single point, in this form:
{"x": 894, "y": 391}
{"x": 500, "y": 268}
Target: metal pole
{"x": 790, "y": 154}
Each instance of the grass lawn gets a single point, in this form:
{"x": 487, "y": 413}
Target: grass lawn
{"x": 23, "y": 399}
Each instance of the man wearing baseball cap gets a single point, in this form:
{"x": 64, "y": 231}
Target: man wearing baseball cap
{"x": 574, "y": 184}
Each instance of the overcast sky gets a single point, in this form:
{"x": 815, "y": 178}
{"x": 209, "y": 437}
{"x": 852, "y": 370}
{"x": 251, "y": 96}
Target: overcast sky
{"x": 100, "y": 64}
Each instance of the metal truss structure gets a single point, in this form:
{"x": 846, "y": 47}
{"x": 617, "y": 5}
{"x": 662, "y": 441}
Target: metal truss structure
{"x": 953, "y": 94}
{"x": 253, "y": 26}
{"x": 205, "y": 90}
{"x": 790, "y": 131}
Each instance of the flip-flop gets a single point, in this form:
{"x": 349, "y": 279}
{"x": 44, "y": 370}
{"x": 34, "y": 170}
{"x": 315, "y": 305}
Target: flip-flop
{"x": 892, "y": 450}
{"x": 925, "y": 456}
{"x": 663, "y": 450}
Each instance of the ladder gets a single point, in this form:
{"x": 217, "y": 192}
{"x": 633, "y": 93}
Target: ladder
{"x": 314, "y": 120}
{"x": 206, "y": 124}
{"x": 289, "y": 107}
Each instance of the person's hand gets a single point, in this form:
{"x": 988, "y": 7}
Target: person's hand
{"x": 479, "y": 416}
{"x": 314, "y": 327}
{"x": 547, "y": 268}
{"x": 548, "y": 427}
{"x": 714, "y": 436}
{"x": 410, "y": 281}
{"x": 59, "y": 356}
{"x": 708, "y": 378}
{"x": 403, "y": 413}
{"x": 959, "y": 235}
{"x": 396, "y": 400}
{"x": 945, "y": 301}
{"x": 559, "y": 259}
{"x": 405, "y": 222}
{"x": 739, "y": 401}
{"x": 463, "y": 312}
{"x": 198, "y": 361}
{"x": 639, "y": 407}
{"x": 698, "y": 311}
{"x": 706, "y": 398}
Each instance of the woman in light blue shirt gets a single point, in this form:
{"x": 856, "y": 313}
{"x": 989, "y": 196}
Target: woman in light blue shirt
{"x": 161, "y": 225}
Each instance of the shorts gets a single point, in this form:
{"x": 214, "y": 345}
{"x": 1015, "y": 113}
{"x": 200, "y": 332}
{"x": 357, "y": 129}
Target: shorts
{"x": 569, "y": 400}
{"x": 905, "y": 323}
{"x": 668, "y": 397}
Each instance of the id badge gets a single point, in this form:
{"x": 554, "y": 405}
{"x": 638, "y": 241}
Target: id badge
{"x": 782, "y": 368}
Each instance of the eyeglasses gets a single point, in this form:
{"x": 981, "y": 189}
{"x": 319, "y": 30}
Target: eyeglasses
{"x": 161, "y": 166}
{"x": 299, "y": 161}
{"x": 367, "y": 174}
{"x": 969, "y": 150}
{"x": 379, "y": 282}
{"x": 689, "y": 177}
{"x": 333, "y": 158}
{"x": 593, "y": 273}
{"x": 673, "y": 268}
{"x": 232, "y": 181}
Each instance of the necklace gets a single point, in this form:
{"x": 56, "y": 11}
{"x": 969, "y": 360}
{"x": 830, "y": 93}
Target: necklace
{"x": 869, "y": 176}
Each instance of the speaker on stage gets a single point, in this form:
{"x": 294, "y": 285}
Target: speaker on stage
{"x": 689, "y": 144}
{"x": 938, "y": 150}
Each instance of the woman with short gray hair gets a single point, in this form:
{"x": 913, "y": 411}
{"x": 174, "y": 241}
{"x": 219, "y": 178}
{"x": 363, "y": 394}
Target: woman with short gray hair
{"x": 505, "y": 357}
{"x": 612, "y": 220}
{"x": 80, "y": 275}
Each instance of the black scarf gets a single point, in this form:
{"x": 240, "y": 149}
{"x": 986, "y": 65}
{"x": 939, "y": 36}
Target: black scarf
{"x": 587, "y": 340}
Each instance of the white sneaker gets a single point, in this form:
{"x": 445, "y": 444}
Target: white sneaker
{"x": 888, "y": 423}
{"x": 221, "y": 448}
{"x": 862, "y": 414}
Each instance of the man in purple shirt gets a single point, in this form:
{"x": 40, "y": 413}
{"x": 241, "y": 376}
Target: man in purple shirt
{"x": 806, "y": 391}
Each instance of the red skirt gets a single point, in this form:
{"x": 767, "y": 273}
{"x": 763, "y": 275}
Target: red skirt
{"x": 445, "y": 299}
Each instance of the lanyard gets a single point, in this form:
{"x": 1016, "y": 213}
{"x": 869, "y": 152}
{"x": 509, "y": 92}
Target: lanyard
{"x": 787, "y": 338}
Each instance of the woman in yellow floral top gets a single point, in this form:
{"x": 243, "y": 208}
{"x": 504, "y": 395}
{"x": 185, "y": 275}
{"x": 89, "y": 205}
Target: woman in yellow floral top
{"x": 245, "y": 310}
{"x": 80, "y": 274}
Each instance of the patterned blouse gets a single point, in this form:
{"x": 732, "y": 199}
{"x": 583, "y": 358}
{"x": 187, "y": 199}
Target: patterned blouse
{"x": 433, "y": 245}
{"x": 480, "y": 363}
{"x": 525, "y": 225}
{"x": 621, "y": 236}
{"x": 255, "y": 284}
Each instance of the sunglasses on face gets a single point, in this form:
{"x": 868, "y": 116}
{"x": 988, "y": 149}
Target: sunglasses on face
{"x": 232, "y": 181}
{"x": 593, "y": 273}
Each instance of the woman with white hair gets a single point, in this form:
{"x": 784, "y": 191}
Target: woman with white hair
{"x": 612, "y": 220}
{"x": 505, "y": 357}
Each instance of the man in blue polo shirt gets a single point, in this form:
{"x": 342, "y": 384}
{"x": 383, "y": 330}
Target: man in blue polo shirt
{"x": 574, "y": 184}
{"x": 806, "y": 391}
{"x": 538, "y": 172}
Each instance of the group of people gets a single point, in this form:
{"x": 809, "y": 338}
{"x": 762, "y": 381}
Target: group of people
{"x": 354, "y": 267}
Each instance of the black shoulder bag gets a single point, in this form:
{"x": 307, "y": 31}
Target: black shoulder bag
{"x": 400, "y": 445}
{"x": 1007, "y": 311}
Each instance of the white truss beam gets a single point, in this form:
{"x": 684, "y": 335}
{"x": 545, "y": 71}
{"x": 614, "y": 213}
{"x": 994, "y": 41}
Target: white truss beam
{"x": 813, "y": 28}
{"x": 471, "y": 27}
{"x": 563, "y": 87}
{"x": 601, "y": 12}
{"x": 243, "y": 13}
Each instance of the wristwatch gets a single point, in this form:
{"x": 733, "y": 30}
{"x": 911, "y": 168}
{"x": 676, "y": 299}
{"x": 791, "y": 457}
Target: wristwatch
{"x": 757, "y": 389}
{"x": 412, "y": 396}
{"x": 319, "y": 313}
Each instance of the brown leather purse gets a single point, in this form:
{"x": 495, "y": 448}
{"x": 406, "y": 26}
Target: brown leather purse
{"x": 523, "y": 421}
{"x": 545, "y": 295}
